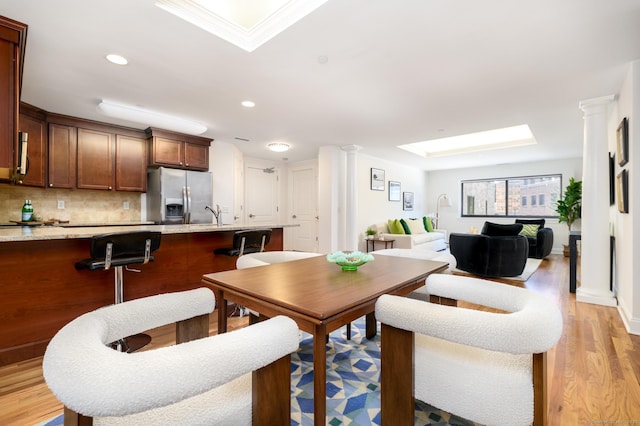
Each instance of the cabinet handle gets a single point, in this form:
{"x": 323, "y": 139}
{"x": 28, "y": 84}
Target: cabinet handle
{"x": 294, "y": 216}
{"x": 50, "y": 185}
{"x": 109, "y": 188}
{"x": 252, "y": 216}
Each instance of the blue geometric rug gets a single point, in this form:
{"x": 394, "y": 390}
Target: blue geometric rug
{"x": 353, "y": 383}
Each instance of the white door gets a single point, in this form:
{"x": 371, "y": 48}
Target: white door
{"x": 304, "y": 209}
{"x": 261, "y": 195}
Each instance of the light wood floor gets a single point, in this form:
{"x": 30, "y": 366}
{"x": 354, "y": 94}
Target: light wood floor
{"x": 594, "y": 371}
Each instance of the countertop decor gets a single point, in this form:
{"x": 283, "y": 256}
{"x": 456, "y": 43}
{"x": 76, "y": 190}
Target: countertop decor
{"x": 350, "y": 260}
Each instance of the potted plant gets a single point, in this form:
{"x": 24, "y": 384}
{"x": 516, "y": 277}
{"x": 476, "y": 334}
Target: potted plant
{"x": 370, "y": 232}
{"x": 569, "y": 208}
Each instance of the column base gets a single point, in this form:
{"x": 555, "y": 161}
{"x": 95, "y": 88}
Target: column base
{"x": 604, "y": 299}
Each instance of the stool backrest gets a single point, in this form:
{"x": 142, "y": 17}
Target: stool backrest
{"x": 124, "y": 245}
{"x": 251, "y": 241}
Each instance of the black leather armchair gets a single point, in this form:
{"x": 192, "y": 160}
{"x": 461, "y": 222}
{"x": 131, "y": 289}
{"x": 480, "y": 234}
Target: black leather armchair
{"x": 539, "y": 246}
{"x": 499, "y": 251}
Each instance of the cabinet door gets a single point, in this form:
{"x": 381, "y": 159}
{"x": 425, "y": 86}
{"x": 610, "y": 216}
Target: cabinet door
{"x": 196, "y": 157}
{"x": 7, "y": 103}
{"x": 95, "y": 159}
{"x": 131, "y": 164}
{"x": 62, "y": 156}
{"x": 36, "y": 150}
{"x": 167, "y": 152}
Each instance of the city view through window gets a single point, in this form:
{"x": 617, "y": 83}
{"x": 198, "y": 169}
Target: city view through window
{"x": 529, "y": 196}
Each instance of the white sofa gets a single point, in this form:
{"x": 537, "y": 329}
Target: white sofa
{"x": 435, "y": 240}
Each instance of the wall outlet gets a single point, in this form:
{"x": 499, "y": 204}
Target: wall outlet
{"x": 61, "y": 204}
{"x": 125, "y": 205}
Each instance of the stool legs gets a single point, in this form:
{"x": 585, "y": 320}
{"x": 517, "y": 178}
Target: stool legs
{"x": 131, "y": 343}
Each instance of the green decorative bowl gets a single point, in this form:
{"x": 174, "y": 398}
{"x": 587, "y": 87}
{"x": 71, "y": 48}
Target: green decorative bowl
{"x": 349, "y": 260}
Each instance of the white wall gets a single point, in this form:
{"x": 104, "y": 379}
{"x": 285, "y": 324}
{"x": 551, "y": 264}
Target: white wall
{"x": 625, "y": 226}
{"x": 448, "y": 182}
{"x": 374, "y": 206}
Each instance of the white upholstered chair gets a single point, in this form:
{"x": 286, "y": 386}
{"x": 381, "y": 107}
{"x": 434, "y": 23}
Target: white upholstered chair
{"x": 488, "y": 367}
{"x": 267, "y": 257}
{"x": 201, "y": 380}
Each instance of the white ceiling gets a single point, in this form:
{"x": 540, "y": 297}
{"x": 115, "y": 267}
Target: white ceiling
{"x": 396, "y": 72}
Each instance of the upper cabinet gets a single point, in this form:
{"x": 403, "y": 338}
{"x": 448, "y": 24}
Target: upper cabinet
{"x": 131, "y": 163}
{"x": 178, "y": 150}
{"x": 13, "y": 36}
{"x": 63, "y": 141}
{"x": 33, "y": 122}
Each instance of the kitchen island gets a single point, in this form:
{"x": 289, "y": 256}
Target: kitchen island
{"x": 41, "y": 291}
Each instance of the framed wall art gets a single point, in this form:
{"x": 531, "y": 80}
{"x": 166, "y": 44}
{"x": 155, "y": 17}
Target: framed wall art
{"x": 622, "y": 191}
{"x": 377, "y": 179}
{"x": 622, "y": 142}
{"x": 612, "y": 180}
{"x": 407, "y": 201}
{"x": 394, "y": 191}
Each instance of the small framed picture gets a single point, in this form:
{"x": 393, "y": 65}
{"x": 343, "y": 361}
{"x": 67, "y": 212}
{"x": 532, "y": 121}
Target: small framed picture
{"x": 377, "y": 179}
{"x": 407, "y": 201}
{"x": 622, "y": 189}
{"x": 394, "y": 191}
{"x": 622, "y": 142}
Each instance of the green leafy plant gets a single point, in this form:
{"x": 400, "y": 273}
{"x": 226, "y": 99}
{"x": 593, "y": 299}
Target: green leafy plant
{"x": 370, "y": 231}
{"x": 569, "y": 208}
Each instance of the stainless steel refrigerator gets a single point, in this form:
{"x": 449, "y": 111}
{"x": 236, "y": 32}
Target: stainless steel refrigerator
{"x": 178, "y": 196}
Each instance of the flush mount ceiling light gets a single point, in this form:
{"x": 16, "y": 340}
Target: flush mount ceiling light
{"x": 246, "y": 23}
{"x": 248, "y": 104}
{"x": 150, "y": 118}
{"x": 117, "y": 59}
{"x": 278, "y": 146}
{"x": 508, "y": 137}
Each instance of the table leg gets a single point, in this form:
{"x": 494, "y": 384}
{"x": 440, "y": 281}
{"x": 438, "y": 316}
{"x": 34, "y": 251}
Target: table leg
{"x": 222, "y": 312}
{"x": 319, "y": 375}
{"x": 371, "y": 325}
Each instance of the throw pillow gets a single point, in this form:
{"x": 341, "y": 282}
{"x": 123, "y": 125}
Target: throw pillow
{"x": 428, "y": 224}
{"x": 416, "y": 226}
{"x": 499, "y": 230}
{"x": 405, "y": 226}
{"x": 529, "y": 230}
{"x": 395, "y": 227}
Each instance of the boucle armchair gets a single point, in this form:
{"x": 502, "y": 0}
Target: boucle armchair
{"x": 199, "y": 381}
{"x": 488, "y": 367}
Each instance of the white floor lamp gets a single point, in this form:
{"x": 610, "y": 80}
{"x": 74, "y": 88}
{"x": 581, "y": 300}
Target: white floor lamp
{"x": 444, "y": 200}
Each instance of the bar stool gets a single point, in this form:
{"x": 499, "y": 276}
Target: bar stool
{"x": 250, "y": 241}
{"x": 119, "y": 250}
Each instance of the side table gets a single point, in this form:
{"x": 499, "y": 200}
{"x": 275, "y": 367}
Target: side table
{"x": 375, "y": 240}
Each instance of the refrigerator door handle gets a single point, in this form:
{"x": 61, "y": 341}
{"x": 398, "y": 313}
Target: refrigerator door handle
{"x": 185, "y": 211}
{"x": 188, "y": 204}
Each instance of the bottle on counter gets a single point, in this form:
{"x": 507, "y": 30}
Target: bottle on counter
{"x": 27, "y": 211}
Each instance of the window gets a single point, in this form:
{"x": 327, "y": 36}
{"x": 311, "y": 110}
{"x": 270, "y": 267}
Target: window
{"x": 527, "y": 196}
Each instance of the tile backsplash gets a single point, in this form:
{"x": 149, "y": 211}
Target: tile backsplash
{"x": 80, "y": 206}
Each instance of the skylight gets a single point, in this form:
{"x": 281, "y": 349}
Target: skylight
{"x": 507, "y": 137}
{"x": 246, "y": 23}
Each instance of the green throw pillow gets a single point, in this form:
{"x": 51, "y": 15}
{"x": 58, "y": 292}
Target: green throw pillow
{"x": 428, "y": 224}
{"x": 405, "y": 226}
{"x": 395, "y": 227}
{"x": 529, "y": 230}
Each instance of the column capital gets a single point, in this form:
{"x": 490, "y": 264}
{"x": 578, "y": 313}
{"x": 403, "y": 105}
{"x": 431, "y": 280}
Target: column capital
{"x": 587, "y": 104}
{"x": 351, "y": 148}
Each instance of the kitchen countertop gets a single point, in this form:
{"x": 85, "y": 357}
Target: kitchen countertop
{"x": 35, "y": 233}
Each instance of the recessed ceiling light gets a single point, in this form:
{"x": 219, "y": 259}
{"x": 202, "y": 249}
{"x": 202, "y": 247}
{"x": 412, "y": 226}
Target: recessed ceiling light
{"x": 278, "y": 146}
{"x": 117, "y": 59}
{"x": 248, "y": 104}
{"x": 508, "y": 137}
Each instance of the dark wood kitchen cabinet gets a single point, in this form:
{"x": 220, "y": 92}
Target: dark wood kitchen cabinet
{"x": 178, "y": 150}
{"x": 13, "y": 36}
{"x": 62, "y": 156}
{"x": 33, "y": 122}
{"x": 131, "y": 163}
{"x": 95, "y": 160}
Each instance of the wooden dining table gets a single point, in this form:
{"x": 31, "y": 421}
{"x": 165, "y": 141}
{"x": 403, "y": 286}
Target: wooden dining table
{"x": 320, "y": 297}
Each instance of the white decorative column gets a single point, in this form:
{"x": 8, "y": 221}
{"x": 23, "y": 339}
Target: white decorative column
{"x": 351, "y": 213}
{"x": 594, "y": 282}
